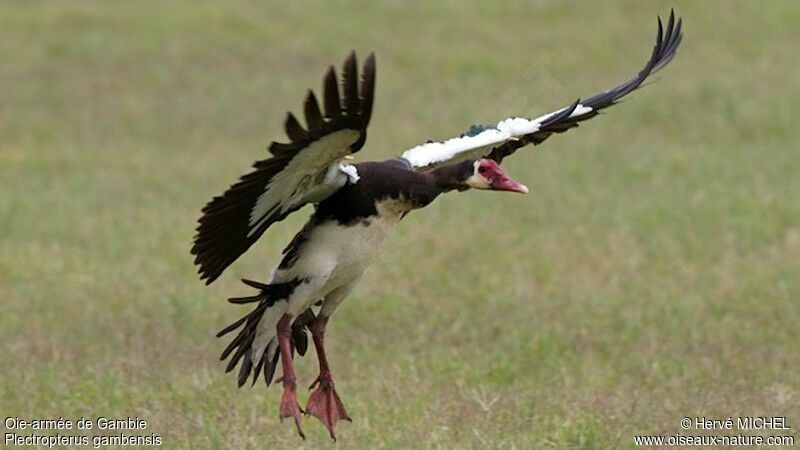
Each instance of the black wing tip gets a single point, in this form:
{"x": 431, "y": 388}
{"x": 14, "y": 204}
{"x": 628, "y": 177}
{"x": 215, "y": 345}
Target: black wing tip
{"x": 664, "y": 50}
{"x": 297, "y": 135}
{"x": 667, "y": 41}
{"x": 367, "y": 94}
{"x": 561, "y": 115}
{"x": 351, "y": 59}
{"x": 670, "y": 38}
{"x": 208, "y": 270}
{"x": 349, "y": 69}
{"x": 335, "y": 107}
{"x": 350, "y": 89}
{"x": 368, "y": 76}
{"x": 330, "y": 77}
{"x": 369, "y": 64}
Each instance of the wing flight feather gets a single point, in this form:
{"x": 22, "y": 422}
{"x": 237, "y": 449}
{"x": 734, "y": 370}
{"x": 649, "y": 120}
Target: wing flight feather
{"x": 304, "y": 170}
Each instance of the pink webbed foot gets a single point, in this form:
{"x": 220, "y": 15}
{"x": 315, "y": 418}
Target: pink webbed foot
{"x": 290, "y": 407}
{"x": 325, "y": 404}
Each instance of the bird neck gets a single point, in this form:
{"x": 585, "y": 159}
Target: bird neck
{"x": 452, "y": 176}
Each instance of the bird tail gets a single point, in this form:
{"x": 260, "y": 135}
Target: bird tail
{"x": 256, "y": 343}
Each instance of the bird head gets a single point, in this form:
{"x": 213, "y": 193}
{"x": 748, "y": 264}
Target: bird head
{"x": 488, "y": 175}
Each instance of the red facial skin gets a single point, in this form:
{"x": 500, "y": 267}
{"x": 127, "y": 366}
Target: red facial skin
{"x": 498, "y": 180}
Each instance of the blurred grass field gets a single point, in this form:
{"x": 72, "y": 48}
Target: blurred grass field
{"x": 652, "y": 273}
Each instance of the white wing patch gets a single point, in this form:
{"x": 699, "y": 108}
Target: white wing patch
{"x": 297, "y": 181}
{"x": 433, "y": 152}
{"x": 350, "y": 171}
{"x": 467, "y": 147}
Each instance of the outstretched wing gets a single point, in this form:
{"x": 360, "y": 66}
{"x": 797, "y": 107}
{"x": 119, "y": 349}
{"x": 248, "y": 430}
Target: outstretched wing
{"x": 497, "y": 142}
{"x": 305, "y": 170}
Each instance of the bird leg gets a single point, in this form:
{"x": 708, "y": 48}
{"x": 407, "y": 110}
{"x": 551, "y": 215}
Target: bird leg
{"x": 324, "y": 402}
{"x": 289, "y": 404}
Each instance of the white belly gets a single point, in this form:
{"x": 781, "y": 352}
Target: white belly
{"x": 331, "y": 257}
{"x": 334, "y": 255}
{"x": 342, "y": 253}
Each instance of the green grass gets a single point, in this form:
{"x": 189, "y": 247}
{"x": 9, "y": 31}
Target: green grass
{"x": 652, "y": 273}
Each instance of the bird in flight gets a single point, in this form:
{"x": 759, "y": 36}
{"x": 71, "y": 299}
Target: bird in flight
{"x": 356, "y": 205}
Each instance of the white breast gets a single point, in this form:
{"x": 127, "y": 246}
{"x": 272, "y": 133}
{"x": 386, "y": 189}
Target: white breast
{"x": 334, "y": 255}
